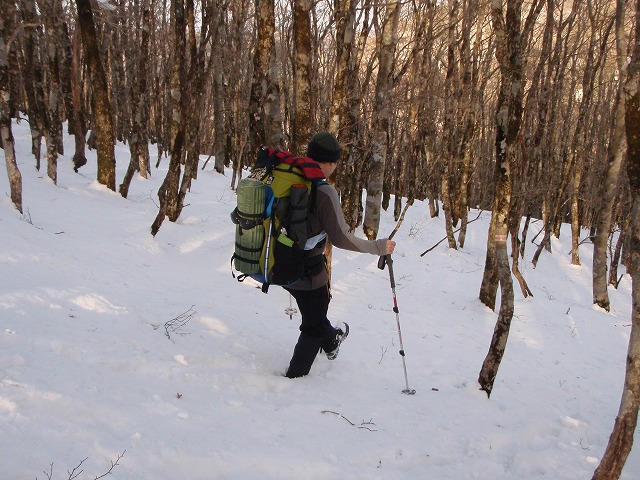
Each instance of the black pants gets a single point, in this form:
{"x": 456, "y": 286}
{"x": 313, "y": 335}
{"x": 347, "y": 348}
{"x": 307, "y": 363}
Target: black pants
{"x": 316, "y": 332}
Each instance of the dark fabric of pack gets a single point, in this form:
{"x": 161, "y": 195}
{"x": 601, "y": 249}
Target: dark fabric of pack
{"x": 281, "y": 233}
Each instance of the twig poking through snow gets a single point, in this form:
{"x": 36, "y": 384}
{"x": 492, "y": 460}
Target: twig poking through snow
{"x": 364, "y": 425}
{"x": 175, "y": 324}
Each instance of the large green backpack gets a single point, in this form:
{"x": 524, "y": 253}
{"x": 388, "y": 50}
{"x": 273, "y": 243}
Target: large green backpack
{"x": 271, "y": 219}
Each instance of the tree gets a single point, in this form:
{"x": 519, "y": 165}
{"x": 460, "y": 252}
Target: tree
{"x": 6, "y": 137}
{"x": 621, "y": 439}
{"x": 381, "y": 118}
{"x": 139, "y": 139}
{"x": 345, "y": 120}
{"x": 78, "y": 113}
{"x": 265, "y": 122}
{"x": 608, "y": 189}
{"x": 581, "y": 142}
{"x": 302, "y": 116}
{"x": 52, "y": 13}
{"x": 102, "y": 122}
{"x": 33, "y": 76}
{"x": 510, "y": 38}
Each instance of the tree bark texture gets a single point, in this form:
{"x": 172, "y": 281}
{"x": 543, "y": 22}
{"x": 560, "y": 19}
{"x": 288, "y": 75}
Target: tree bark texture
{"x": 345, "y": 121}
{"x": 621, "y": 439}
{"x": 509, "y": 52}
{"x": 33, "y": 77}
{"x": 381, "y": 117}
{"x": 302, "y": 117}
{"x": 138, "y": 139}
{"x": 102, "y": 121}
{"x": 79, "y": 123}
{"x": 168, "y": 191}
{"x": 261, "y": 86}
{"x": 6, "y": 137}
{"x": 609, "y": 188}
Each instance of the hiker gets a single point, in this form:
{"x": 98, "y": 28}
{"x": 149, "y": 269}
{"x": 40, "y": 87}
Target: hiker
{"x": 312, "y": 292}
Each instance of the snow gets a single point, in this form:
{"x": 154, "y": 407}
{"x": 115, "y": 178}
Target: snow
{"x": 114, "y": 343}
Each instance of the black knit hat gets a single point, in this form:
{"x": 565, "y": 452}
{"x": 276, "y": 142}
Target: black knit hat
{"x": 324, "y": 147}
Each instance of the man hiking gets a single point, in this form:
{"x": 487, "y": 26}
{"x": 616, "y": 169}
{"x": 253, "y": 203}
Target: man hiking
{"x": 312, "y": 291}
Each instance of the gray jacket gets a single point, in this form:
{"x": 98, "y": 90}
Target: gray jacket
{"x": 328, "y": 217}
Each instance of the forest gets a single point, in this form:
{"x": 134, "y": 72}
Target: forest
{"x": 527, "y": 109}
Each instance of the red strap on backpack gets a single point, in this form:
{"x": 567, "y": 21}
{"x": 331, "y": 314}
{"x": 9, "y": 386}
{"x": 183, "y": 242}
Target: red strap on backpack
{"x": 310, "y": 168}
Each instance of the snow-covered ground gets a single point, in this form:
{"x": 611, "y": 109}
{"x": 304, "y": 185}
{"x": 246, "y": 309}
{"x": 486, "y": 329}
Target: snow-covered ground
{"x": 117, "y": 344}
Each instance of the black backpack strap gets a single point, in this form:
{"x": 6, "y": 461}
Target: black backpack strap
{"x": 314, "y": 265}
{"x": 314, "y": 193}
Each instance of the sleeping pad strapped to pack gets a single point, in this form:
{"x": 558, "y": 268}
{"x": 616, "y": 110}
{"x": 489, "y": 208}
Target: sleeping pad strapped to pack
{"x": 271, "y": 218}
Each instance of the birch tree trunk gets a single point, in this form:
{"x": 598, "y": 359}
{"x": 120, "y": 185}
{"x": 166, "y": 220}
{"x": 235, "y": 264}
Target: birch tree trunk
{"x": 451, "y": 132}
{"x": 168, "y": 191}
{"x": 381, "y": 116}
{"x": 260, "y": 102}
{"x": 102, "y": 121}
{"x": 33, "y": 76}
{"x": 510, "y": 38}
{"x": 469, "y": 104}
{"x": 579, "y": 148}
{"x": 139, "y": 140}
{"x": 52, "y": 10}
{"x": 302, "y": 116}
{"x": 345, "y": 119}
{"x": 6, "y": 137}
{"x": 609, "y": 190}
{"x": 621, "y": 439}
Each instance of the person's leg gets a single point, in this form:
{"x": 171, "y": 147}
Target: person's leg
{"x": 315, "y": 329}
{"x": 304, "y": 354}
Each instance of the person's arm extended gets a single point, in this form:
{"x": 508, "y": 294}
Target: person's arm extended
{"x": 332, "y": 220}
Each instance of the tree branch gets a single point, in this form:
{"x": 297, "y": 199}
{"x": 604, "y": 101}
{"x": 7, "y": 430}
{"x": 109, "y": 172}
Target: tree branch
{"x": 455, "y": 231}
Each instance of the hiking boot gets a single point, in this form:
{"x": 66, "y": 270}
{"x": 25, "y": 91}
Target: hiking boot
{"x": 341, "y": 334}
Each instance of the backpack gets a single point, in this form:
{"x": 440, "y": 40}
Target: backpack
{"x": 271, "y": 237}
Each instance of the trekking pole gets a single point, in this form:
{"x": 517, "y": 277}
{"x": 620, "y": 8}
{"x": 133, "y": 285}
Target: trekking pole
{"x": 291, "y": 310}
{"x": 386, "y": 260}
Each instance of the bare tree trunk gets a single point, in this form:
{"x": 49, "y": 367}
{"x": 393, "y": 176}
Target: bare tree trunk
{"x": 491, "y": 363}
{"x": 345, "y": 119}
{"x": 621, "y": 439}
{"x": 471, "y": 56}
{"x": 609, "y": 190}
{"x": 168, "y": 191}
{"x": 219, "y": 100}
{"x": 102, "y": 121}
{"x": 302, "y": 121}
{"x": 616, "y": 255}
{"x": 6, "y": 137}
{"x": 575, "y": 214}
{"x": 52, "y": 11}
{"x": 265, "y": 26}
{"x": 139, "y": 141}
{"x": 33, "y": 77}
{"x": 579, "y": 144}
{"x": 219, "y": 136}
{"x": 340, "y": 122}
{"x": 381, "y": 116}
{"x": 79, "y": 124}
{"x": 451, "y": 132}
{"x": 510, "y": 38}
{"x": 549, "y": 153}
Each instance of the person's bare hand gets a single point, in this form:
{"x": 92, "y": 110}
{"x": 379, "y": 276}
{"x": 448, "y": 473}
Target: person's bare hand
{"x": 391, "y": 245}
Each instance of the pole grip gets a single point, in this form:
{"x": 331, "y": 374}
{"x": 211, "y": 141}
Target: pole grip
{"x": 389, "y": 262}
